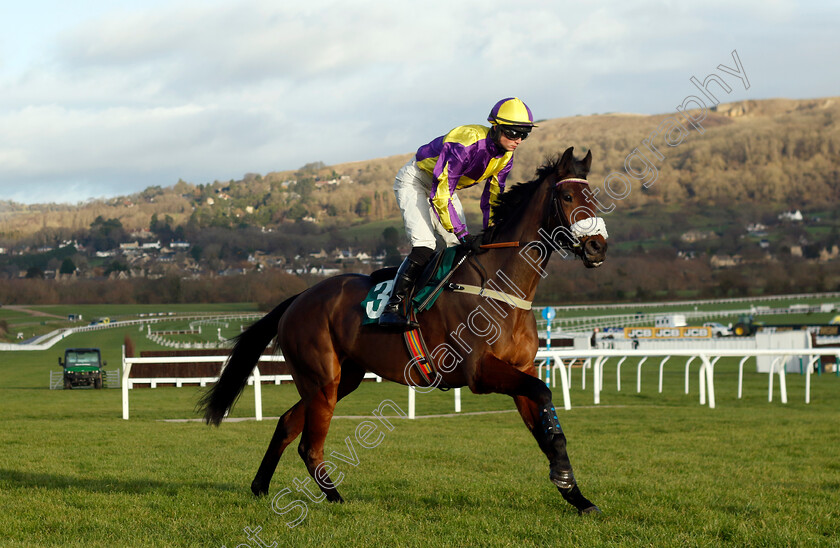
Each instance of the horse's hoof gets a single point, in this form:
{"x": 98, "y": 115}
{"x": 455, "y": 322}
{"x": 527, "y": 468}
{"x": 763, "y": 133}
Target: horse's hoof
{"x": 592, "y": 510}
{"x": 258, "y": 490}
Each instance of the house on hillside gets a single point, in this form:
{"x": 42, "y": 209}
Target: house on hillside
{"x": 829, "y": 254}
{"x": 794, "y": 216}
{"x": 696, "y": 235}
{"x": 757, "y": 229}
{"x": 319, "y": 255}
{"x": 723, "y": 261}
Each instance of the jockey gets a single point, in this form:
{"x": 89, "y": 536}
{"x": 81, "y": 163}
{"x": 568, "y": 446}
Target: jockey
{"x": 425, "y": 189}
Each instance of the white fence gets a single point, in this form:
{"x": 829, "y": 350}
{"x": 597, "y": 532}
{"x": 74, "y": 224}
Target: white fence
{"x": 707, "y": 360}
{"x": 552, "y": 364}
{"x": 255, "y": 379}
{"x": 45, "y": 342}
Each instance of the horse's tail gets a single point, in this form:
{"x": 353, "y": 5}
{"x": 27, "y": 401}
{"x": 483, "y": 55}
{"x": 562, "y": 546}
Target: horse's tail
{"x": 243, "y": 358}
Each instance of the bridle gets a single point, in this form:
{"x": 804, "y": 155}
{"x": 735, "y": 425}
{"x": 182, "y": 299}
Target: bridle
{"x": 558, "y": 209}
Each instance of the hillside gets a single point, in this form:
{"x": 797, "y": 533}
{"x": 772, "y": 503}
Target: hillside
{"x": 748, "y": 207}
{"x": 778, "y": 154}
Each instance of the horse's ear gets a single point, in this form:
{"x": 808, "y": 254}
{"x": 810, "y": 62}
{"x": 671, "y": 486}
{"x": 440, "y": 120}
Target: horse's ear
{"x": 587, "y": 160}
{"x": 567, "y": 158}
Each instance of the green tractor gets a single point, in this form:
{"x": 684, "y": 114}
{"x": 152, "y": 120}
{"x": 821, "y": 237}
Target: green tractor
{"x": 82, "y": 367}
{"x": 746, "y": 326}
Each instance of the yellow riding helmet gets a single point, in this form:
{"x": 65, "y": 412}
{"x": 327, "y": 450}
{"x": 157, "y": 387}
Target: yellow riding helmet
{"x": 511, "y": 112}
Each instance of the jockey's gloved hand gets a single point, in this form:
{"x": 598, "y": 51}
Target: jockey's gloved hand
{"x": 471, "y": 243}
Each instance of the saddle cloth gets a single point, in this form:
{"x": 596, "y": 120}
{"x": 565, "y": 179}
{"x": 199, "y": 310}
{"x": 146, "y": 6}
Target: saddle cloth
{"x": 376, "y": 299}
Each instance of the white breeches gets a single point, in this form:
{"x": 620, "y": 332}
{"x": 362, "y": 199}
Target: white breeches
{"x": 412, "y": 187}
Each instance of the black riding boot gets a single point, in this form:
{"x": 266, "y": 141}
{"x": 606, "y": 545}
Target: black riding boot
{"x": 394, "y": 315}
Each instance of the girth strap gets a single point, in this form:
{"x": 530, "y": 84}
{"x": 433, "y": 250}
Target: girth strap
{"x": 491, "y": 293}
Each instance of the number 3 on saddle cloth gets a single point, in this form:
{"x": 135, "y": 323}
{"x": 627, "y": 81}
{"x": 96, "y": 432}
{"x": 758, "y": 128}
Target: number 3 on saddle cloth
{"x": 425, "y": 296}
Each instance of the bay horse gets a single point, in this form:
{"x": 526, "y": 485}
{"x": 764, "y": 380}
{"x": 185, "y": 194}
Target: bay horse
{"x": 328, "y": 347}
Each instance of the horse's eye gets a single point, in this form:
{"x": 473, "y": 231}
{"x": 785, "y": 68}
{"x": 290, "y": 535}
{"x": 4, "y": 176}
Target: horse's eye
{"x": 567, "y": 197}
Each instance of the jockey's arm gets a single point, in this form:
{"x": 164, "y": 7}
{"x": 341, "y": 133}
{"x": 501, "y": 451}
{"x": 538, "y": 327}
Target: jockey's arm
{"x": 441, "y": 200}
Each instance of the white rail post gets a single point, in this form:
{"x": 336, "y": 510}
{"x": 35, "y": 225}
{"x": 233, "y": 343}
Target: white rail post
{"x": 687, "y": 364}
{"x": 710, "y": 379}
{"x": 596, "y": 395}
{"x": 602, "y": 362}
{"x": 782, "y": 380}
{"x": 813, "y": 360}
{"x": 564, "y": 384}
{"x": 586, "y": 363}
{"x": 457, "y": 400}
{"x": 567, "y": 370}
{"x": 701, "y": 378}
{"x": 639, "y": 375}
{"x": 412, "y": 397}
{"x": 257, "y": 393}
{"x": 618, "y": 374}
{"x": 770, "y": 379}
{"x": 741, "y": 375}
{"x": 126, "y": 368}
{"x": 661, "y": 369}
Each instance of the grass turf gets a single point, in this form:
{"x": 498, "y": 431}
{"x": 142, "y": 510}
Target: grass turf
{"x": 665, "y": 470}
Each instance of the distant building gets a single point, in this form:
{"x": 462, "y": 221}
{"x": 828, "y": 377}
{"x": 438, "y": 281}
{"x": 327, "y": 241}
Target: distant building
{"x": 829, "y": 254}
{"x": 795, "y": 216}
{"x": 722, "y": 261}
{"x": 319, "y": 255}
{"x": 695, "y": 236}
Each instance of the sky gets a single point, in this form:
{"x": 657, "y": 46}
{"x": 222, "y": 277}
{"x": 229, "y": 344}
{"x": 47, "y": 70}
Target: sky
{"x": 104, "y": 98}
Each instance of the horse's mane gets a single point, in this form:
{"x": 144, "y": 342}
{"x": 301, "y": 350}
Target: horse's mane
{"x": 511, "y": 201}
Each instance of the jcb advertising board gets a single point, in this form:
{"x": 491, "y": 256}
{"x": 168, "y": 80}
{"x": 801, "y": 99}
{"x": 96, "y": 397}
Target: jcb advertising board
{"x": 688, "y": 332}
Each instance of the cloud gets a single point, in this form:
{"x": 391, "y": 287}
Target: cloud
{"x": 123, "y": 99}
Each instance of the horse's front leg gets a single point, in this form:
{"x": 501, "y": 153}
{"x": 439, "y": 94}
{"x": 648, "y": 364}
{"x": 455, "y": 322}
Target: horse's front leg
{"x": 533, "y": 400}
{"x": 544, "y": 425}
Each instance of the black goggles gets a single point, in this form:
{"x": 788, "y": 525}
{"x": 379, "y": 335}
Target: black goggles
{"x": 514, "y": 133}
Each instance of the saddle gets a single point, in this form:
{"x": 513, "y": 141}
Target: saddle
{"x": 440, "y": 265}
{"x": 426, "y": 291}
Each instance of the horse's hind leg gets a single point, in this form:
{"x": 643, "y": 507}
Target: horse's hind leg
{"x": 319, "y": 412}
{"x": 288, "y": 428}
{"x": 321, "y": 397}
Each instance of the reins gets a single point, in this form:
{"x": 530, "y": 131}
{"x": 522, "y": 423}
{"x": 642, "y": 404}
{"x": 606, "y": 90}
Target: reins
{"x": 482, "y": 272}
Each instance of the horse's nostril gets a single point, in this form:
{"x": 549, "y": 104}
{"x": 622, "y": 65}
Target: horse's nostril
{"x": 595, "y": 247}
